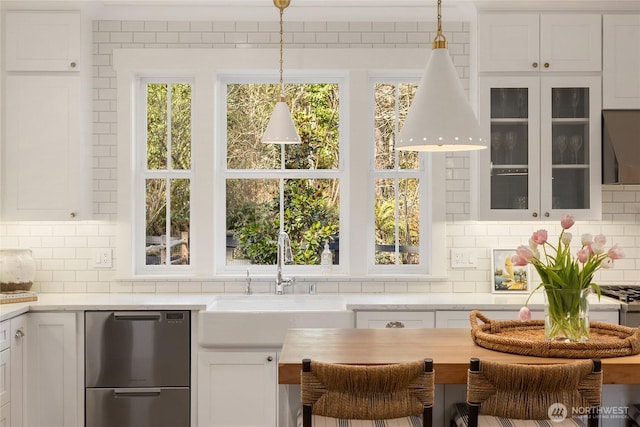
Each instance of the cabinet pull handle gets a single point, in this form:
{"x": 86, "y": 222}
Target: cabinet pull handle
{"x": 19, "y": 334}
{"x": 136, "y": 392}
{"x": 546, "y": 214}
{"x": 535, "y": 214}
{"x": 546, "y": 65}
{"x": 534, "y": 65}
{"x": 270, "y": 359}
{"x": 72, "y": 214}
{"x": 73, "y": 64}
{"x": 395, "y": 324}
{"x": 134, "y": 315}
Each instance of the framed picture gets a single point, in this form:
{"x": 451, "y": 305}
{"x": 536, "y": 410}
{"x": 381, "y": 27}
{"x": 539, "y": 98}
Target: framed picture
{"x": 506, "y": 277}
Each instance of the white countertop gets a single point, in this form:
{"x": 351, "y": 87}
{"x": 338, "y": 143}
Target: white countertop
{"x": 361, "y": 302}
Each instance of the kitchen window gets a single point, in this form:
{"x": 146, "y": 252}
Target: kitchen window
{"x": 293, "y": 185}
{"x": 381, "y": 211}
{"x": 164, "y": 178}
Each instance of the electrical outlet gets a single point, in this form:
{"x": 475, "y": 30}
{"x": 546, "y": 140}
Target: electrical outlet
{"x": 103, "y": 258}
{"x": 463, "y": 258}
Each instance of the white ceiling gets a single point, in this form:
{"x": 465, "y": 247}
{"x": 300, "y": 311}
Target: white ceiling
{"x": 311, "y": 10}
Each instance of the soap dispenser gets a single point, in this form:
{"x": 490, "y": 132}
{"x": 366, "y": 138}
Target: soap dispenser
{"x": 326, "y": 259}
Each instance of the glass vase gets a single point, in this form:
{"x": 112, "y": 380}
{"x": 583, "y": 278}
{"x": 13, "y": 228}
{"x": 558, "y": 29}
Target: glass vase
{"x": 17, "y": 270}
{"x": 566, "y": 315}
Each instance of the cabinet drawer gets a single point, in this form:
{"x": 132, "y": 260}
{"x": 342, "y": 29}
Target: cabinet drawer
{"x": 460, "y": 318}
{"x": 5, "y": 341}
{"x": 395, "y": 319}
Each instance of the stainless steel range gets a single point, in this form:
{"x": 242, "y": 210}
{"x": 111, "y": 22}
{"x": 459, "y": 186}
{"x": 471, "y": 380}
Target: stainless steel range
{"x": 629, "y": 297}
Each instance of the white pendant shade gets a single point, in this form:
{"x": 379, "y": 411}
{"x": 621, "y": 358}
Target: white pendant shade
{"x": 440, "y": 117}
{"x": 281, "y": 129}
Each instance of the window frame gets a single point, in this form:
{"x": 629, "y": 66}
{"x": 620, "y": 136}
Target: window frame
{"x": 223, "y": 173}
{"x": 422, "y": 172}
{"x": 205, "y": 67}
{"x": 142, "y": 173}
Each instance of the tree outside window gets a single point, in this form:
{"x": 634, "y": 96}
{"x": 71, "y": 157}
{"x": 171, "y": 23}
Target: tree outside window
{"x": 293, "y": 187}
{"x": 167, "y": 174}
{"x": 396, "y": 179}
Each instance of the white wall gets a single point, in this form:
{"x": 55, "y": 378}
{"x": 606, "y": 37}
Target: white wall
{"x": 64, "y": 251}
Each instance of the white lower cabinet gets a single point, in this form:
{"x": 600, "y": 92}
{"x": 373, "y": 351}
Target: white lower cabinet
{"x": 17, "y": 371}
{"x": 237, "y": 388}
{"x": 5, "y": 387}
{"x": 52, "y": 393}
{"x": 395, "y": 319}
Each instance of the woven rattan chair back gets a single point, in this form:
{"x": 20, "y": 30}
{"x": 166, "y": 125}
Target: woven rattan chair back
{"x": 367, "y": 392}
{"x": 532, "y": 389}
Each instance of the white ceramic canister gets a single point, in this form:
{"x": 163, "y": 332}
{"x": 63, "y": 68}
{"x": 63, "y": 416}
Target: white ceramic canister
{"x": 17, "y": 270}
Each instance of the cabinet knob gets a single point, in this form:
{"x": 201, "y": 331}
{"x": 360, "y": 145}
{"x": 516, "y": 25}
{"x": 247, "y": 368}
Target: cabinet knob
{"x": 535, "y": 214}
{"x": 73, "y": 64}
{"x": 270, "y": 359}
{"x": 546, "y": 65}
{"x": 395, "y": 324}
{"x": 546, "y": 214}
{"x": 19, "y": 334}
{"x": 72, "y": 214}
{"x": 534, "y": 65}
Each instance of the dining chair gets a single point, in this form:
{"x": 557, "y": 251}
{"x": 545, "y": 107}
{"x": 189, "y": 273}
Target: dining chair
{"x": 398, "y": 395}
{"x": 513, "y": 394}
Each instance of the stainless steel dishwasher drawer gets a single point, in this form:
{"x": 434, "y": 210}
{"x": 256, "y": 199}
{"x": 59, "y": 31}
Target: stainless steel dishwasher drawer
{"x": 137, "y": 407}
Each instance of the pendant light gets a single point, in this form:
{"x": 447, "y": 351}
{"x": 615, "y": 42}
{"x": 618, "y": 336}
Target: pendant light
{"x": 440, "y": 117}
{"x": 280, "y": 129}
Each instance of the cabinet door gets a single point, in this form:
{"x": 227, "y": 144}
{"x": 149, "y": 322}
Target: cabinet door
{"x": 508, "y": 182}
{"x": 42, "y": 41}
{"x": 237, "y": 389}
{"x": 5, "y": 416}
{"x": 18, "y": 332}
{"x": 395, "y": 319}
{"x": 570, "y": 42}
{"x": 52, "y": 395}
{"x": 621, "y": 62}
{"x": 570, "y": 176}
{"x": 532, "y": 42}
{"x": 42, "y": 158}
{"x": 5, "y": 330}
{"x": 5, "y": 377}
{"x": 508, "y": 42}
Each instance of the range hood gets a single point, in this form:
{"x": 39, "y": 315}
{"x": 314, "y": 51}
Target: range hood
{"x": 621, "y": 146}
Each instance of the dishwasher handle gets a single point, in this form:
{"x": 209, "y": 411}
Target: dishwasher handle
{"x": 137, "y": 315}
{"x": 136, "y": 392}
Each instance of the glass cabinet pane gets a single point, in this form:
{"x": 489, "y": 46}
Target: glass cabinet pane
{"x": 509, "y": 148}
{"x": 570, "y": 147}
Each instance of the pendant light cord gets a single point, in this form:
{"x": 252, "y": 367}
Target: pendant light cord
{"x": 281, "y": 55}
{"x": 440, "y": 41}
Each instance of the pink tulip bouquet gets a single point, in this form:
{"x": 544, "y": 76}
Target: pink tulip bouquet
{"x": 565, "y": 278}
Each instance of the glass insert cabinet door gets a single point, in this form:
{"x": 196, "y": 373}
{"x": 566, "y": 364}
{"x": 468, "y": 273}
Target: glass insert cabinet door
{"x": 571, "y": 147}
{"x": 544, "y": 152}
{"x": 509, "y": 169}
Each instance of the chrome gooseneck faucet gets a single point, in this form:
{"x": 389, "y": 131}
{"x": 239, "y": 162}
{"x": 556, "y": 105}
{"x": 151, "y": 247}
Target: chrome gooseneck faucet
{"x": 284, "y": 256}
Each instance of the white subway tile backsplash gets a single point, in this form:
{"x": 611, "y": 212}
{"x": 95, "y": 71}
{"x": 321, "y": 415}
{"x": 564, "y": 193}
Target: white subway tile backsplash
{"x": 64, "y": 251}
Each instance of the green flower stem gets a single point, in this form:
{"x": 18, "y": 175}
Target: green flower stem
{"x": 567, "y": 314}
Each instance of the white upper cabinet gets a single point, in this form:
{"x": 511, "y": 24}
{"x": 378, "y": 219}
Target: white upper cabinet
{"x": 539, "y": 42}
{"x": 42, "y": 153}
{"x": 621, "y": 62}
{"x": 43, "y": 41}
{"x": 544, "y": 154}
